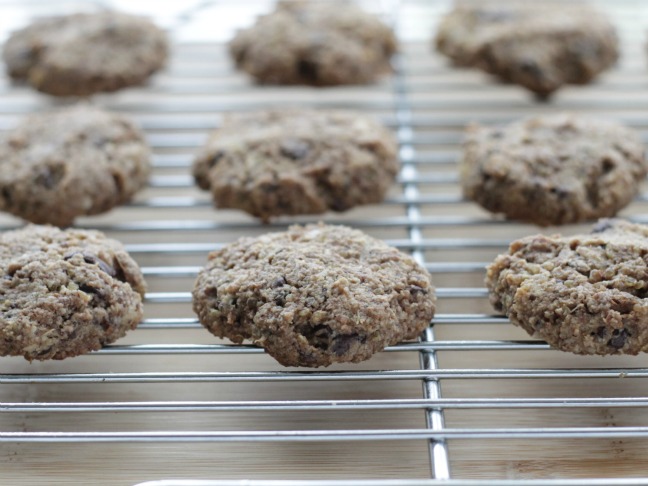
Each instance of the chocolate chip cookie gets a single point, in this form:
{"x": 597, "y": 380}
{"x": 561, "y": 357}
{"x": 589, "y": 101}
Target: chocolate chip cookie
{"x": 70, "y": 162}
{"x": 554, "y": 169}
{"x": 538, "y": 45}
{"x": 65, "y": 293}
{"x": 314, "y": 295}
{"x": 85, "y": 53}
{"x": 315, "y": 43}
{"x": 297, "y": 162}
{"x": 586, "y": 294}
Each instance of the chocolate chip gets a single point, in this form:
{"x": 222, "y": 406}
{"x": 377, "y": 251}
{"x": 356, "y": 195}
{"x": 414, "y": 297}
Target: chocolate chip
{"x": 619, "y": 339}
{"x": 213, "y": 160}
{"x": 607, "y": 165}
{"x": 5, "y": 192}
{"x": 118, "y": 180}
{"x": 50, "y": 176}
{"x": 307, "y": 69}
{"x": 106, "y": 268}
{"x": 622, "y": 305}
{"x": 318, "y": 336}
{"x": 294, "y": 148}
{"x": 12, "y": 269}
{"x": 88, "y": 289}
{"x": 343, "y": 343}
{"x": 530, "y": 67}
{"x": 339, "y": 205}
{"x": 280, "y": 298}
{"x": 603, "y": 226}
{"x": 415, "y": 289}
{"x": 118, "y": 271}
{"x": 559, "y": 192}
{"x": 92, "y": 260}
{"x": 601, "y": 332}
{"x": 89, "y": 258}
{"x": 279, "y": 282}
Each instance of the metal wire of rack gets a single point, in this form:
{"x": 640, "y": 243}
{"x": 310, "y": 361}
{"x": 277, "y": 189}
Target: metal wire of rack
{"x": 473, "y": 402}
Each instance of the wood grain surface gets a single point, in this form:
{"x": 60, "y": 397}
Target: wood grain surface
{"x": 178, "y": 109}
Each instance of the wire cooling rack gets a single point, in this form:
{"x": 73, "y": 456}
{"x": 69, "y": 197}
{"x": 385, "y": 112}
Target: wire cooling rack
{"x": 474, "y": 402}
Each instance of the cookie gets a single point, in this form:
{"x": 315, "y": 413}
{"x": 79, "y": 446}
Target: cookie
{"x": 70, "y": 162}
{"x": 538, "y": 45}
{"x": 315, "y": 43}
{"x": 314, "y": 295}
{"x": 554, "y": 169}
{"x": 65, "y": 293}
{"x": 585, "y": 294}
{"x": 85, "y": 53}
{"x": 297, "y": 162}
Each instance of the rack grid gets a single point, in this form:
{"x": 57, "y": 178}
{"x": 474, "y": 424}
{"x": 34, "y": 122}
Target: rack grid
{"x": 475, "y": 401}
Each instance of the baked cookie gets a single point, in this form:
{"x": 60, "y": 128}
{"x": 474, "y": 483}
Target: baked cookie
{"x": 85, "y": 53}
{"x": 65, "y": 293}
{"x": 554, "y": 169}
{"x": 314, "y": 295}
{"x": 538, "y": 45}
{"x": 585, "y": 294}
{"x": 315, "y": 43}
{"x": 297, "y": 162}
{"x": 70, "y": 162}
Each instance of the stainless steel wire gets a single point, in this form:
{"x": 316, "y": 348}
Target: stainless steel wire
{"x": 428, "y": 127}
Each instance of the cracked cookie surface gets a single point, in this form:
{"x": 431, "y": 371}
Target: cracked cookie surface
{"x": 71, "y": 162}
{"x": 315, "y": 43}
{"x": 65, "y": 293}
{"x": 314, "y": 295}
{"x": 85, "y": 53}
{"x": 538, "y": 45}
{"x": 554, "y": 169}
{"x": 587, "y": 294}
{"x": 290, "y": 162}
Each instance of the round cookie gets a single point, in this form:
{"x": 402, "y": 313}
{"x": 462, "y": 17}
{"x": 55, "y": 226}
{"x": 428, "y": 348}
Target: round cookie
{"x": 85, "y": 53}
{"x": 314, "y": 295}
{"x": 315, "y": 43}
{"x": 554, "y": 169}
{"x": 585, "y": 294}
{"x": 297, "y": 162}
{"x": 70, "y": 162}
{"x": 65, "y": 293}
{"x": 538, "y": 45}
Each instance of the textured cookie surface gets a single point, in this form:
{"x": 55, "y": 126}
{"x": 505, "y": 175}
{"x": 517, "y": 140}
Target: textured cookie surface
{"x": 586, "y": 294}
{"x": 315, "y": 43}
{"x": 553, "y": 170}
{"x": 314, "y": 295}
{"x": 70, "y": 162}
{"x": 539, "y": 45}
{"x": 83, "y": 54}
{"x": 297, "y": 162}
{"x": 65, "y": 293}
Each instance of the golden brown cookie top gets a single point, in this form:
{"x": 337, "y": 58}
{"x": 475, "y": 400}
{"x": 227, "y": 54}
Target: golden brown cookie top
{"x": 539, "y": 45}
{"x": 553, "y": 169}
{"x": 317, "y": 43}
{"x": 585, "y": 294}
{"x": 65, "y": 293}
{"x": 314, "y": 295}
{"x": 279, "y": 162}
{"x": 71, "y": 162}
{"x": 86, "y": 53}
